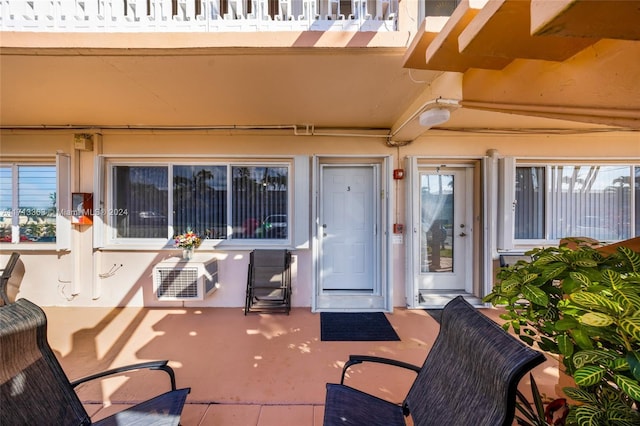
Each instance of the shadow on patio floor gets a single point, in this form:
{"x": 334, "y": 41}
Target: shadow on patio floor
{"x": 260, "y": 369}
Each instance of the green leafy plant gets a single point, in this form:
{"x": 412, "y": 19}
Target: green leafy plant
{"x": 584, "y": 306}
{"x": 40, "y": 230}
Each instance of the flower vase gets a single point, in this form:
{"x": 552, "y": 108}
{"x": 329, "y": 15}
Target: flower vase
{"x": 187, "y": 253}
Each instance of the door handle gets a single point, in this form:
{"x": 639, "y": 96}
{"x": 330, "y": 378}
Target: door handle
{"x": 462, "y": 234}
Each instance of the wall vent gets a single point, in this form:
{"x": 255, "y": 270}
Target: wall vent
{"x": 177, "y": 279}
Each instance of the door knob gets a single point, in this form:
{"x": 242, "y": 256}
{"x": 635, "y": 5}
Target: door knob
{"x": 462, "y": 234}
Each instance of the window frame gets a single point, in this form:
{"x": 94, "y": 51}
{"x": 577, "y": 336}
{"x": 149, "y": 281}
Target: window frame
{"x": 61, "y": 165}
{"x": 547, "y": 216}
{"x": 507, "y": 197}
{"x": 109, "y": 231}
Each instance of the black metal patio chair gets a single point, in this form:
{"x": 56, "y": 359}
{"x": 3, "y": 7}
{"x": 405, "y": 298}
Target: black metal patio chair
{"x": 269, "y": 281}
{"x": 470, "y": 377}
{"x": 34, "y": 390}
{"x": 6, "y": 274}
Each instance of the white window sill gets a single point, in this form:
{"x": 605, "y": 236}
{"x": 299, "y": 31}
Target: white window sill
{"x": 29, "y": 247}
{"x": 208, "y": 245}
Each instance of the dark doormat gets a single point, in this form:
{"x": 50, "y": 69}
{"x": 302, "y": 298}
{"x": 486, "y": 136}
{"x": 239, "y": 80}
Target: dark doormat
{"x": 356, "y": 326}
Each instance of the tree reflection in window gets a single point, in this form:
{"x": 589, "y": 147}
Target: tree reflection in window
{"x": 254, "y": 204}
{"x": 200, "y": 200}
{"x": 559, "y": 201}
{"x": 260, "y": 200}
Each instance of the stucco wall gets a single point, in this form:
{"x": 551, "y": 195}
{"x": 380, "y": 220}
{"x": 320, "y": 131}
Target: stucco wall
{"x": 51, "y": 278}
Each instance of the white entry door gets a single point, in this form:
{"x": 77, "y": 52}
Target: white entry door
{"x": 348, "y": 237}
{"x": 442, "y": 234}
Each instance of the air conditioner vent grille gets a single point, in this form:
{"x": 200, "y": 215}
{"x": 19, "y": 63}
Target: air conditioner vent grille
{"x": 175, "y": 279}
{"x": 177, "y": 283}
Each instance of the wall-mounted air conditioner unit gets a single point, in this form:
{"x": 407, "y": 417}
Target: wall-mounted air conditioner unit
{"x": 177, "y": 279}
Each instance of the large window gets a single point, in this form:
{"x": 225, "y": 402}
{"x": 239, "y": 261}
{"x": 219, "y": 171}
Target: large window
{"x": 200, "y": 200}
{"x": 28, "y": 203}
{"x": 596, "y": 201}
{"x": 259, "y": 202}
{"x": 231, "y": 201}
{"x": 140, "y": 201}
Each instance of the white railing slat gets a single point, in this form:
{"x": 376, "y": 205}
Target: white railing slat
{"x": 197, "y": 15}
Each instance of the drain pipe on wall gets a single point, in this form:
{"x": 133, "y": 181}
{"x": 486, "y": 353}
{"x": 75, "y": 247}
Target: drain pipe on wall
{"x": 310, "y": 130}
{"x": 297, "y": 129}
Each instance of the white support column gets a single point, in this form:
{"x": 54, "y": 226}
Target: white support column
{"x": 88, "y": 10}
{"x": 236, "y": 9}
{"x": 260, "y": 10}
{"x": 309, "y": 10}
{"x": 284, "y": 10}
{"x": 359, "y": 9}
{"x": 116, "y": 11}
{"x": 333, "y": 9}
{"x": 383, "y": 9}
{"x": 162, "y": 10}
{"x": 214, "y": 9}
{"x": 43, "y": 10}
{"x": 141, "y": 12}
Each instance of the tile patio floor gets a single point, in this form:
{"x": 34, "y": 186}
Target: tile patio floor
{"x": 260, "y": 369}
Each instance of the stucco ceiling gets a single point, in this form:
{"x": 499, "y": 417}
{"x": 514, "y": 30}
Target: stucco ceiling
{"x": 322, "y": 87}
{"x": 325, "y": 88}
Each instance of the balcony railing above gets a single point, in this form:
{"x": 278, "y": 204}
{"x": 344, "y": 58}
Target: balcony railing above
{"x": 197, "y": 15}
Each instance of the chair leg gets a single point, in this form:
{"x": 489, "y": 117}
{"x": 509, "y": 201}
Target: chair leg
{"x": 248, "y": 295}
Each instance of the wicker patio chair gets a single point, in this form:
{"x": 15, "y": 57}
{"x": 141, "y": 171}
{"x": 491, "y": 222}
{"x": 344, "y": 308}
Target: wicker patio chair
{"x": 6, "y": 274}
{"x": 470, "y": 377}
{"x": 34, "y": 390}
{"x": 269, "y": 281}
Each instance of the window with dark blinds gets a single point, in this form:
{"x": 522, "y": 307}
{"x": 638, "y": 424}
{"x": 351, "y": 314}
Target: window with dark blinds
{"x": 260, "y": 202}
{"x": 140, "y": 202}
{"x": 200, "y": 200}
{"x": 214, "y": 201}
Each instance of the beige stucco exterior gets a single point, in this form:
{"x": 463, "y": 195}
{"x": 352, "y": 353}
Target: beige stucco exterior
{"x": 280, "y": 95}
{"x": 74, "y": 277}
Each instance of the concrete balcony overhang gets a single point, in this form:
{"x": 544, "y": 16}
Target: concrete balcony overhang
{"x": 579, "y": 59}
{"x": 438, "y": 47}
{"x": 616, "y": 19}
{"x": 501, "y": 29}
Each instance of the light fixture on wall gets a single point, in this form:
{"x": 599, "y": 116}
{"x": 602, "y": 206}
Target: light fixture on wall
{"x": 83, "y": 141}
{"x": 434, "y": 116}
{"x": 431, "y": 113}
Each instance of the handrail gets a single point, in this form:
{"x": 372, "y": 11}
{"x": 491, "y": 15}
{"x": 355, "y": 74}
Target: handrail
{"x": 196, "y": 15}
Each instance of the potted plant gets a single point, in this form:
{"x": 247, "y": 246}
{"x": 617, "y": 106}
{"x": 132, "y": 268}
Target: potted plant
{"x": 584, "y": 306}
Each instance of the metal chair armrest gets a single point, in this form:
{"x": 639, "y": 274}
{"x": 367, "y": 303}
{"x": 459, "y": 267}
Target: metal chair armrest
{"x": 151, "y": 365}
{"x": 359, "y": 359}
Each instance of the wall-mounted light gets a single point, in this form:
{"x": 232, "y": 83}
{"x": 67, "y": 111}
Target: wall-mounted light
{"x": 434, "y": 116}
{"x": 83, "y": 141}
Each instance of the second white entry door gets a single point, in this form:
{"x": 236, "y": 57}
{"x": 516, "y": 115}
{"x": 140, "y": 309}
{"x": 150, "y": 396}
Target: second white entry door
{"x": 445, "y": 231}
